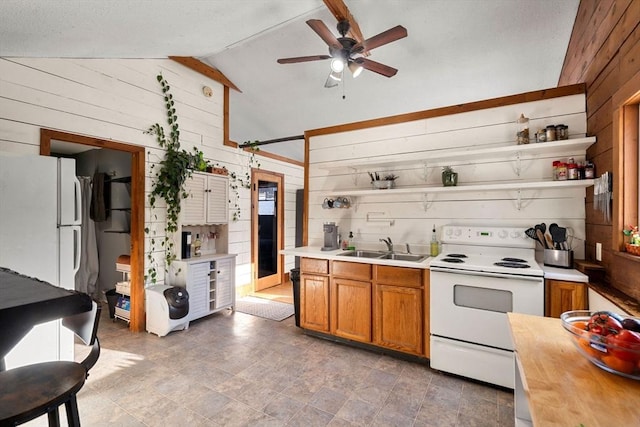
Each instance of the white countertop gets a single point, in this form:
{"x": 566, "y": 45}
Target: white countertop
{"x": 316, "y": 252}
{"x": 568, "y": 274}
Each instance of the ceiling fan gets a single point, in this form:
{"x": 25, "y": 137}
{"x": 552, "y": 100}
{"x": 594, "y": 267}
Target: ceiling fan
{"x": 346, "y": 52}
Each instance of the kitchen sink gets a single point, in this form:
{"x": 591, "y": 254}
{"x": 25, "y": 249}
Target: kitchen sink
{"x": 384, "y": 255}
{"x": 405, "y": 257}
{"x": 363, "y": 254}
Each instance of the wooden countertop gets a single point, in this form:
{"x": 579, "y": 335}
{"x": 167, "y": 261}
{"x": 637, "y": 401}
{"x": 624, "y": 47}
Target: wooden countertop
{"x": 563, "y": 388}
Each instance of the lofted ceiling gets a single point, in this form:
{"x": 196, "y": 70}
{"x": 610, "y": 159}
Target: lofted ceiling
{"x": 457, "y": 51}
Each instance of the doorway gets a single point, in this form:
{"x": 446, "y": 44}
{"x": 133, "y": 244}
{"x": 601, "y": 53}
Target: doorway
{"x": 267, "y": 228}
{"x": 47, "y": 137}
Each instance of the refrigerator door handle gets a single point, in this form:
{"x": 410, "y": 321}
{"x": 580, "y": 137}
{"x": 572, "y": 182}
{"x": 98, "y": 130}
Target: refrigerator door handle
{"x": 77, "y": 244}
{"x": 77, "y": 201}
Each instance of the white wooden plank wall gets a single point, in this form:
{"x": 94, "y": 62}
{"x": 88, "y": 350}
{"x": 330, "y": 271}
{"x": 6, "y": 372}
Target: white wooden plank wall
{"x": 118, "y": 100}
{"x": 414, "y": 214}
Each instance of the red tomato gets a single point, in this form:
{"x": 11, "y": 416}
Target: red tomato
{"x": 603, "y": 323}
{"x": 626, "y": 345}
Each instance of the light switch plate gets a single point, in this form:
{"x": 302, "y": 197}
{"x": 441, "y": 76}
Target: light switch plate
{"x": 598, "y": 251}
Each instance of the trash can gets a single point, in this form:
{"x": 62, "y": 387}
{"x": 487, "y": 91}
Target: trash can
{"x": 295, "y": 280}
{"x": 112, "y": 300}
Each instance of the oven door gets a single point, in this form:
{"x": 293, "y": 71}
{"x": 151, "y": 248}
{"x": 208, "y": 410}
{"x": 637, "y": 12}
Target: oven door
{"x": 471, "y": 306}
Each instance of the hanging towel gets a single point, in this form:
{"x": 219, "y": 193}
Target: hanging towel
{"x": 98, "y": 211}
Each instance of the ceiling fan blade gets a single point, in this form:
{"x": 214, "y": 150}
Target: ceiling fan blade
{"x": 325, "y": 34}
{"x": 391, "y": 35}
{"x": 302, "y": 59}
{"x": 376, "y": 67}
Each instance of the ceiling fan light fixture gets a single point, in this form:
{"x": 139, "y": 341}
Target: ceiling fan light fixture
{"x": 356, "y": 69}
{"x": 335, "y": 75}
{"x": 337, "y": 65}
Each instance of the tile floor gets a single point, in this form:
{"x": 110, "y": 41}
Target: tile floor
{"x": 233, "y": 369}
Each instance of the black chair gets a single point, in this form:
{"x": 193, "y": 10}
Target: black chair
{"x": 31, "y": 391}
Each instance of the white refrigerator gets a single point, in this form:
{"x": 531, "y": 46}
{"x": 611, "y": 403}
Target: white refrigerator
{"x": 40, "y": 237}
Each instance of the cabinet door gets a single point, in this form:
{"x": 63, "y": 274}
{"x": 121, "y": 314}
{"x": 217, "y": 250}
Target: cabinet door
{"x": 561, "y": 296}
{"x": 198, "y": 288}
{"x": 398, "y": 318}
{"x": 351, "y": 309}
{"x": 225, "y": 289}
{"x": 193, "y": 208}
{"x": 217, "y": 199}
{"x": 314, "y": 302}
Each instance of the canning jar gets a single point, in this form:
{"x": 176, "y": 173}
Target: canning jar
{"x": 562, "y": 132}
{"x": 562, "y": 171}
{"x": 523, "y": 130}
{"x": 541, "y": 136}
{"x": 572, "y": 170}
{"x": 589, "y": 171}
{"x": 554, "y": 174}
{"x": 551, "y": 133}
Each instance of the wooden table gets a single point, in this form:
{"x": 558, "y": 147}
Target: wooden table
{"x": 562, "y": 387}
{"x": 26, "y": 302}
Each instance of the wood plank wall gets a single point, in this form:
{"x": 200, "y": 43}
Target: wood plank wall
{"x": 117, "y": 99}
{"x": 604, "y": 53}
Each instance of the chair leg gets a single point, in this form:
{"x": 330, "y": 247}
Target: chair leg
{"x": 73, "y": 417}
{"x": 54, "y": 417}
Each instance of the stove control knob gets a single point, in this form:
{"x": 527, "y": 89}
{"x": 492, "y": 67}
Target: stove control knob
{"x": 503, "y": 234}
{"x": 515, "y": 234}
{"x": 449, "y": 232}
{"x": 458, "y": 232}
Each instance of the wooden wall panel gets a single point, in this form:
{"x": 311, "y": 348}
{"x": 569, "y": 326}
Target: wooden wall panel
{"x": 605, "y": 60}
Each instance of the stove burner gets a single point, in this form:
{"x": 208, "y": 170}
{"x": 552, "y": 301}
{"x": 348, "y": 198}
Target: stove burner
{"x": 513, "y": 260}
{"x": 456, "y": 255}
{"x": 452, "y": 260}
{"x": 511, "y": 264}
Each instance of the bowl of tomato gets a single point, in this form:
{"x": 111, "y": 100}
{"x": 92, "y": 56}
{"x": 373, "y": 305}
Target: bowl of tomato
{"x": 609, "y": 340}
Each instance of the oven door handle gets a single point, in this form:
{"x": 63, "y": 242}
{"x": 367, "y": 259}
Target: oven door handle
{"x": 485, "y": 274}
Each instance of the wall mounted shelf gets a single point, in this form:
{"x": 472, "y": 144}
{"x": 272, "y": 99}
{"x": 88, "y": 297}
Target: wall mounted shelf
{"x": 501, "y": 152}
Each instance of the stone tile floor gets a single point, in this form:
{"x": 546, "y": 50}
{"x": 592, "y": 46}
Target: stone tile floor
{"x": 233, "y": 369}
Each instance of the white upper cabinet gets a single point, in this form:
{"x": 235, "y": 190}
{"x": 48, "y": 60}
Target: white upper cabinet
{"x": 207, "y": 201}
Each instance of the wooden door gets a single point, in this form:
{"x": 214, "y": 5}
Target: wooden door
{"x": 267, "y": 228}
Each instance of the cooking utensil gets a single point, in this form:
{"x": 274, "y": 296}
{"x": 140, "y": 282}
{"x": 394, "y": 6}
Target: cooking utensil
{"x": 553, "y": 230}
{"x": 547, "y": 238}
{"x": 540, "y": 230}
{"x": 559, "y": 235}
{"x": 532, "y": 233}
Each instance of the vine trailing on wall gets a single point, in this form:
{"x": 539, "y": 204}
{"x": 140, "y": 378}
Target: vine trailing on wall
{"x": 168, "y": 183}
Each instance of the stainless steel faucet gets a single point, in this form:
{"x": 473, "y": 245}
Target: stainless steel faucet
{"x": 408, "y": 248}
{"x": 389, "y": 243}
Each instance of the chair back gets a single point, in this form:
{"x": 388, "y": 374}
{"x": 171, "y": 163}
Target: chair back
{"x": 85, "y": 326}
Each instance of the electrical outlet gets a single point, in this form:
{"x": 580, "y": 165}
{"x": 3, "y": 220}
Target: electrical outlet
{"x": 598, "y": 251}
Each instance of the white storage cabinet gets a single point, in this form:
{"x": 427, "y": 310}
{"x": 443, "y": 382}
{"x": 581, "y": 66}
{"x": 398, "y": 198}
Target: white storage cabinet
{"x": 209, "y": 280}
{"x": 208, "y": 200}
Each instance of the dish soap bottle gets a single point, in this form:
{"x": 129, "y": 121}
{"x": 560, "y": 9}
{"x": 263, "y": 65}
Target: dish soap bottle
{"x": 351, "y": 244}
{"x": 434, "y": 242}
{"x": 197, "y": 245}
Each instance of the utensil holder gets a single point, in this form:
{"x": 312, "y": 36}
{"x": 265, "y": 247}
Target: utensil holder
{"x": 558, "y": 258}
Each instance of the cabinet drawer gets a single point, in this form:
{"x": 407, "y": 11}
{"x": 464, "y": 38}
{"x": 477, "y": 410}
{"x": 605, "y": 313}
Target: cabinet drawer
{"x": 351, "y": 270}
{"x": 399, "y": 276}
{"x": 312, "y": 265}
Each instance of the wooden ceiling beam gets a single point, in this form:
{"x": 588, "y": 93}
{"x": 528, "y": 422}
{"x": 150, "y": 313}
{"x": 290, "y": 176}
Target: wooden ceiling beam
{"x": 341, "y": 13}
{"x": 207, "y": 70}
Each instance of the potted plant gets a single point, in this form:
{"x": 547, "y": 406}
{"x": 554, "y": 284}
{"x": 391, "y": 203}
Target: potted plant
{"x": 449, "y": 177}
{"x": 632, "y": 239}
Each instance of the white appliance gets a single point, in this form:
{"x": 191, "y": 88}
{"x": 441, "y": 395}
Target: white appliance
{"x": 167, "y": 309}
{"x": 481, "y": 274}
{"x": 40, "y": 237}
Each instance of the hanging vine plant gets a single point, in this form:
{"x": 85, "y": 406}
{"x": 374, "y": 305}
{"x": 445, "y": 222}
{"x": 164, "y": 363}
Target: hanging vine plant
{"x": 238, "y": 181}
{"x": 169, "y": 181}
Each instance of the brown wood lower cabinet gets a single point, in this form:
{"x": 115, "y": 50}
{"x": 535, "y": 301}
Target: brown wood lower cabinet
{"x": 375, "y": 304}
{"x": 351, "y": 309}
{"x": 398, "y": 318}
{"x": 561, "y": 296}
{"x": 314, "y": 294}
